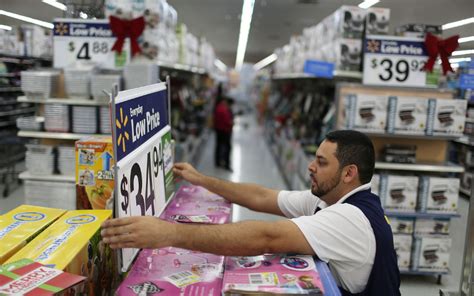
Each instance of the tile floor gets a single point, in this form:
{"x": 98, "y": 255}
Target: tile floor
{"x": 252, "y": 162}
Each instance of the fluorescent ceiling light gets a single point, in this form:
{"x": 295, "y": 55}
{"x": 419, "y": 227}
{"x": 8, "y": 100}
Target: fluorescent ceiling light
{"x": 56, "y": 4}
{"x": 245, "y": 20}
{"x": 83, "y": 15}
{"x": 466, "y": 39}
{"x": 219, "y": 64}
{"x": 5, "y": 27}
{"x": 458, "y": 60}
{"x": 458, "y": 23}
{"x": 265, "y": 62}
{"x": 463, "y": 52}
{"x": 27, "y": 19}
{"x": 367, "y": 3}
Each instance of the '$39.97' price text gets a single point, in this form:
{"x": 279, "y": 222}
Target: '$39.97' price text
{"x": 398, "y": 70}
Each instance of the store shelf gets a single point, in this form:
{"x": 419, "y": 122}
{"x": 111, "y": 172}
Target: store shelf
{"x": 182, "y": 67}
{"x": 7, "y": 123}
{"x": 465, "y": 140}
{"x": 414, "y": 272}
{"x": 337, "y": 74}
{"x": 465, "y": 191}
{"x": 419, "y": 167}
{"x": 8, "y": 102}
{"x": 17, "y": 111}
{"x": 65, "y": 101}
{"x": 52, "y": 135}
{"x": 421, "y": 215}
{"x": 329, "y": 284}
{"x": 9, "y": 89}
{"x": 55, "y": 178}
{"x": 421, "y": 137}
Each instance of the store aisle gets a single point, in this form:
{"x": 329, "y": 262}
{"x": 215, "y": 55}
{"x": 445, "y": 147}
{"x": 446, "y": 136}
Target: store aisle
{"x": 251, "y": 161}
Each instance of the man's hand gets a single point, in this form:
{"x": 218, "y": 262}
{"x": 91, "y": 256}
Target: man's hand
{"x": 142, "y": 232}
{"x": 188, "y": 173}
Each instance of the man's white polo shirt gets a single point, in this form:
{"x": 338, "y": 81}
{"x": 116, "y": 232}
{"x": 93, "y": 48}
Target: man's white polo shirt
{"x": 340, "y": 234}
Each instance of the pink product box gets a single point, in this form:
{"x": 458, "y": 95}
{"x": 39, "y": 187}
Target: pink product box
{"x": 272, "y": 274}
{"x": 173, "y": 271}
{"x": 194, "y": 204}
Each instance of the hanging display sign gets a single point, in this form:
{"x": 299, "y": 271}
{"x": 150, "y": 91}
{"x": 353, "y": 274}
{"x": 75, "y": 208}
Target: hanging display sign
{"x": 466, "y": 81}
{"x": 141, "y": 143}
{"x": 76, "y": 40}
{"x": 394, "y": 61}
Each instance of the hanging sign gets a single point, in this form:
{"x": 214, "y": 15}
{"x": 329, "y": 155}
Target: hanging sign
{"x": 394, "y": 61}
{"x": 466, "y": 81}
{"x": 141, "y": 143}
{"x": 76, "y": 40}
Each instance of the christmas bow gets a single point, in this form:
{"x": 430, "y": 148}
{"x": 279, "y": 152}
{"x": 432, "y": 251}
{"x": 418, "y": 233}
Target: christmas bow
{"x": 127, "y": 28}
{"x": 444, "y": 48}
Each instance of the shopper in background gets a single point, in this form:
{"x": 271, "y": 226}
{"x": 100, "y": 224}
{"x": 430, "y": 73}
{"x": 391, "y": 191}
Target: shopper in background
{"x": 223, "y": 124}
{"x": 338, "y": 220}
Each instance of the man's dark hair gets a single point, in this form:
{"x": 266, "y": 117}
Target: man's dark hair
{"x": 354, "y": 147}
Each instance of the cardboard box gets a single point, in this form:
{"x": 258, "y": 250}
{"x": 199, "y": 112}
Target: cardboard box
{"x": 403, "y": 248}
{"x": 375, "y": 184}
{"x": 377, "y": 21}
{"x": 21, "y": 225}
{"x": 438, "y": 195}
{"x": 431, "y": 253}
{"x": 467, "y": 180}
{"x": 94, "y": 173}
{"x": 348, "y": 54}
{"x": 366, "y": 113}
{"x": 446, "y": 117}
{"x": 418, "y": 30}
{"x": 73, "y": 244}
{"x": 432, "y": 226}
{"x": 399, "y": 193}
{"x": 172, "y": 271}
{"x": 271, "y": 274}
{"x": 26, "y": 277}
{"x": 349, "y": 21}
{"x": 402, "y": 225}
{"x": 407, "y": 115}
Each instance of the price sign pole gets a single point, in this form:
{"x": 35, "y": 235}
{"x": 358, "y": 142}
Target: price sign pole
{"x": 394, "y": 61}
{"x": 141, "y": 131}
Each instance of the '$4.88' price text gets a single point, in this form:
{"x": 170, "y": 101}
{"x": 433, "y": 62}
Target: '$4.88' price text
{"x": 396, "y": 69}
{"x": 133, "y": 186}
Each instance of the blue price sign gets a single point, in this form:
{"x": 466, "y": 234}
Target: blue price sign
{"x": 319, "y": 68}
{"x": 466, "y": 81}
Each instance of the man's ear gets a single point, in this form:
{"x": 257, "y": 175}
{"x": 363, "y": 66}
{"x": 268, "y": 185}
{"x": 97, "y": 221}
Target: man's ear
{"x": 351, "y": 173}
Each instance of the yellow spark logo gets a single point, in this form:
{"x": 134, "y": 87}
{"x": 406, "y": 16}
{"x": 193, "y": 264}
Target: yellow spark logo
{"x": 61, "y": 29}
{"x": 122, "y": 136}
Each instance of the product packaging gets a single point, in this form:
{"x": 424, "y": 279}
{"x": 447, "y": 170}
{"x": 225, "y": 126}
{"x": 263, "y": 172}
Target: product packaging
{"x": 21, "y": 225}
{"x": 94, "y": 173}
{"x": 418, "y": 30}
{"x": 431, "y": 253}
{"x": 272, "y": 274}
{"x": 432, "y": 226}
{"x": 26, "y": 277}
{"x": 399, "y": 193}
{"x": 467, "y": 180}
{"x": 375, "y": 184}
{"x": 402, "y": 225}
{"x": 446, "y": 117}
{"x": 366, "y": 113}
{"x": 348, "y": 54}
{"x": 407, "y": 115}
{"x": 73, "y": 244}
{"x": 438, "y": 195}
{"x": 172, "y": 271}
{"x": 403, "y": 248}
{"x": 377, "y": 21}
{"x": 349, "y": 21}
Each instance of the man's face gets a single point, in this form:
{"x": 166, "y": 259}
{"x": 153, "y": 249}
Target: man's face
{"x": 324, "y": 170}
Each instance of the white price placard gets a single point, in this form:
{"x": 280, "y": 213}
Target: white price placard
{"x": 90, "y": 41}
{"x": 394, "y": 61}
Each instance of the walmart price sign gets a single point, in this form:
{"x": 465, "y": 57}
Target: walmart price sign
{"x": 395, "y": 61}
{"x": 78, "y": 40}
{"x": 141, "y": 137}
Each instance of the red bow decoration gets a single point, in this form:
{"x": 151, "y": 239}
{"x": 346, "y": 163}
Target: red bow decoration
{"x": 127, "y": 28}
{"x": 444, "y": 48}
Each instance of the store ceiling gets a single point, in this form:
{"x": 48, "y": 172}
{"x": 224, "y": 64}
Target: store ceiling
{"x": 274, "y": 21}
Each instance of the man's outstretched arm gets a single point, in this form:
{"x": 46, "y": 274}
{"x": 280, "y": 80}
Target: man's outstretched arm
{"x": 252, "y": 196}
{"x": 236, "y": 239}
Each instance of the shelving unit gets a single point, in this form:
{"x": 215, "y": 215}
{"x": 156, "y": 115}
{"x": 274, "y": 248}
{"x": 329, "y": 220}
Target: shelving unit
{"x": 65, "y": 101}
{"x": 421, "y": 215}
{"x": 53, "y": 135}
{"x": 181, "y": 67}
{"x": 337, "y": 74}
{"x": 54, "y": 178}
{"x": 419, "y": 167}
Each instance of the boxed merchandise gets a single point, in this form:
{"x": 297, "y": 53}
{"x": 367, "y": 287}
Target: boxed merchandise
{"x": 399, "y": 193}
{"x": 348, "y": 54}
{"x": 418, "y": 30}
{"x": 432, "y": 226}
{"x": 467, "y": 181}
{"x": 403, "y": 247}
{"x": 366, "y": 113}
{"x": 26, "y": 277}
{"x": 375, "y": 184}
{"x": 377, "y": 21}
{"x": 431, "y": 253}
{"x": 94, "y": 173}
{"x": 401, "y": 225}
{"x": 272, "y": 274}
{"x": 438, "y": 194}
{"x": 349, "y": 21}
{"x": 446, "y": 117}
{"x": 399, "y": 153}
{"x": 172, "y": 271}
{"x": 407, "y": 115}
{"x": 21, "y": 225}
{"x": 73, "y": 244}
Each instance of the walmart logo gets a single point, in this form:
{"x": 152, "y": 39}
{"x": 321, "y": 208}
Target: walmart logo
{"x": 61, "y": 29}
{"x": 121, "y": 124}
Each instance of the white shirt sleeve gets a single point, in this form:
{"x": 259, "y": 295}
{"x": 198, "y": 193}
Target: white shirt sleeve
{"x": 297, "y": 203}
